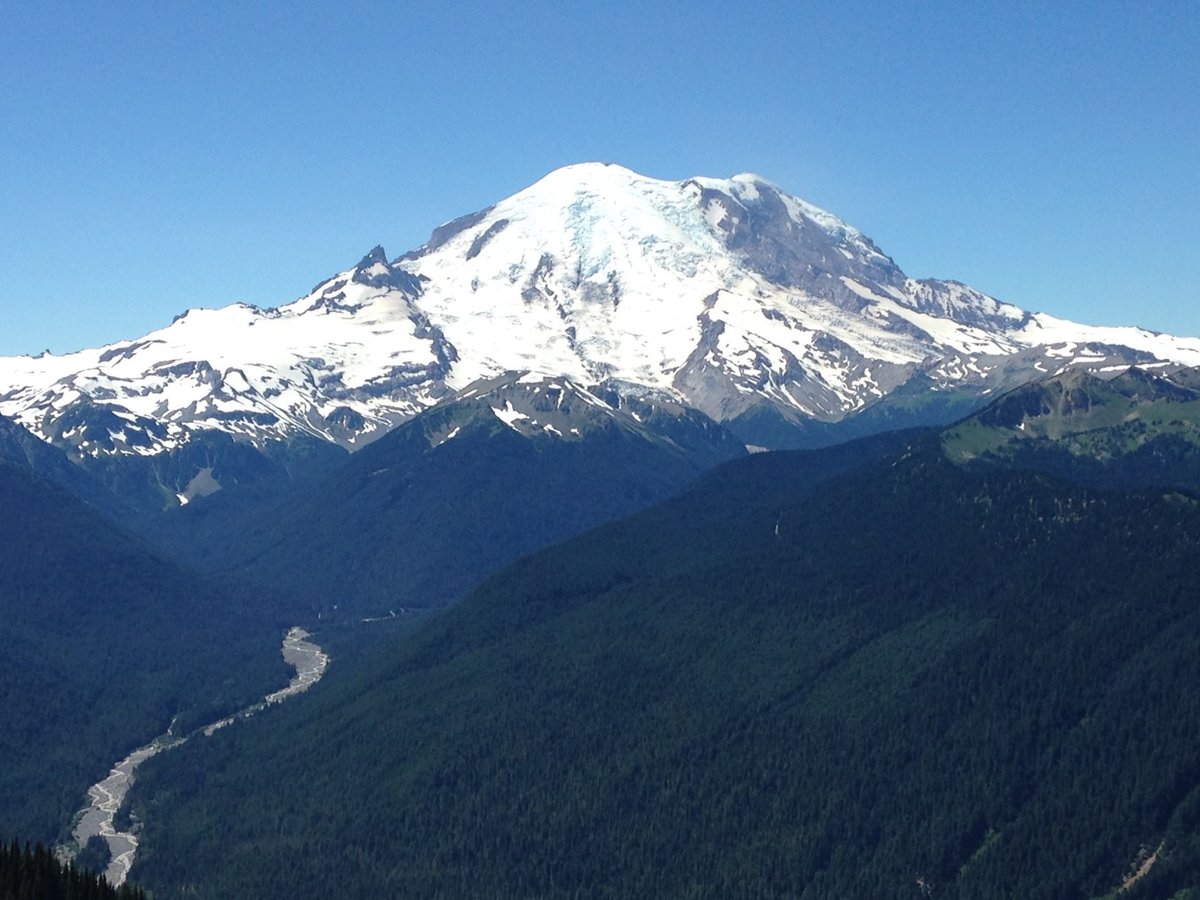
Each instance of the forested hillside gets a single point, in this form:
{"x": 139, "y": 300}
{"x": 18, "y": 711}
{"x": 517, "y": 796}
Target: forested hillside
{"x": 1136, "y": 429}
{"x": 864, "y": 672}
{"x": 104, "y": 642}
{"x": 420, "y": 516}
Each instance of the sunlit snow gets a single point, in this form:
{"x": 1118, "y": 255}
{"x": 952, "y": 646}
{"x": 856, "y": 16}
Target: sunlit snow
{"x": 593, "y": 274}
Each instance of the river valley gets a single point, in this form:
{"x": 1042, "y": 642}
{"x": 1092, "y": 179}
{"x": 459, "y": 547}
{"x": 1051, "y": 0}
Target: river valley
{"x": 105, "y": 797}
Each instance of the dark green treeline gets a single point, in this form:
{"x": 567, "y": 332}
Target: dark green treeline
{"x": 33, "y": 873}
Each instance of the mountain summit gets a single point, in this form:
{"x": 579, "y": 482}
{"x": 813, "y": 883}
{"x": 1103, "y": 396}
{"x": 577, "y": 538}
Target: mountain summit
{"x": 729, "y": 296}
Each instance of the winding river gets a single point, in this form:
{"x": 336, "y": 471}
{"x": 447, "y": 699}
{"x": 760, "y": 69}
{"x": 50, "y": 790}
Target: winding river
{"x": 105, "y": 798}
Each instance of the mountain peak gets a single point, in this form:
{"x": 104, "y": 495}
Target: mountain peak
{"x": 375, "y": 257}
{"x": 592, "y": 170}
{"x": 375, "y": 271}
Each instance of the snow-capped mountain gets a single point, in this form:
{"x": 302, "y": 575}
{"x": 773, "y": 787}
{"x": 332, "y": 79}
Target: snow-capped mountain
{"x": 725, "y": 296}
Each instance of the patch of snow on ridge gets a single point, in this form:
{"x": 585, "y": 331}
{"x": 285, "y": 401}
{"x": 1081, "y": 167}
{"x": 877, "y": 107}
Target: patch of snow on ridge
{"x": 509, "y": 416}
{"x": 451, "y": 435}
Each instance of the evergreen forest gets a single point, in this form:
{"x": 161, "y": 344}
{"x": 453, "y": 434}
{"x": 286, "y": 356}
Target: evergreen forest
{"x": 856, "y": 672}
{"x": 105, "y": 643}
{"x": 33, "y": 873}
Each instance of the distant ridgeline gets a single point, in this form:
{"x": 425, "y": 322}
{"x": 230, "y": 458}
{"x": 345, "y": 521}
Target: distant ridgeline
{"x": 34, "y": 874}
{"x": 1137, "y": 429}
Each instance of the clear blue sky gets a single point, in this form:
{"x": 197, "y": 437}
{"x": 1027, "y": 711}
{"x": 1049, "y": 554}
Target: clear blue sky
{"x": 160, "y": 156}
